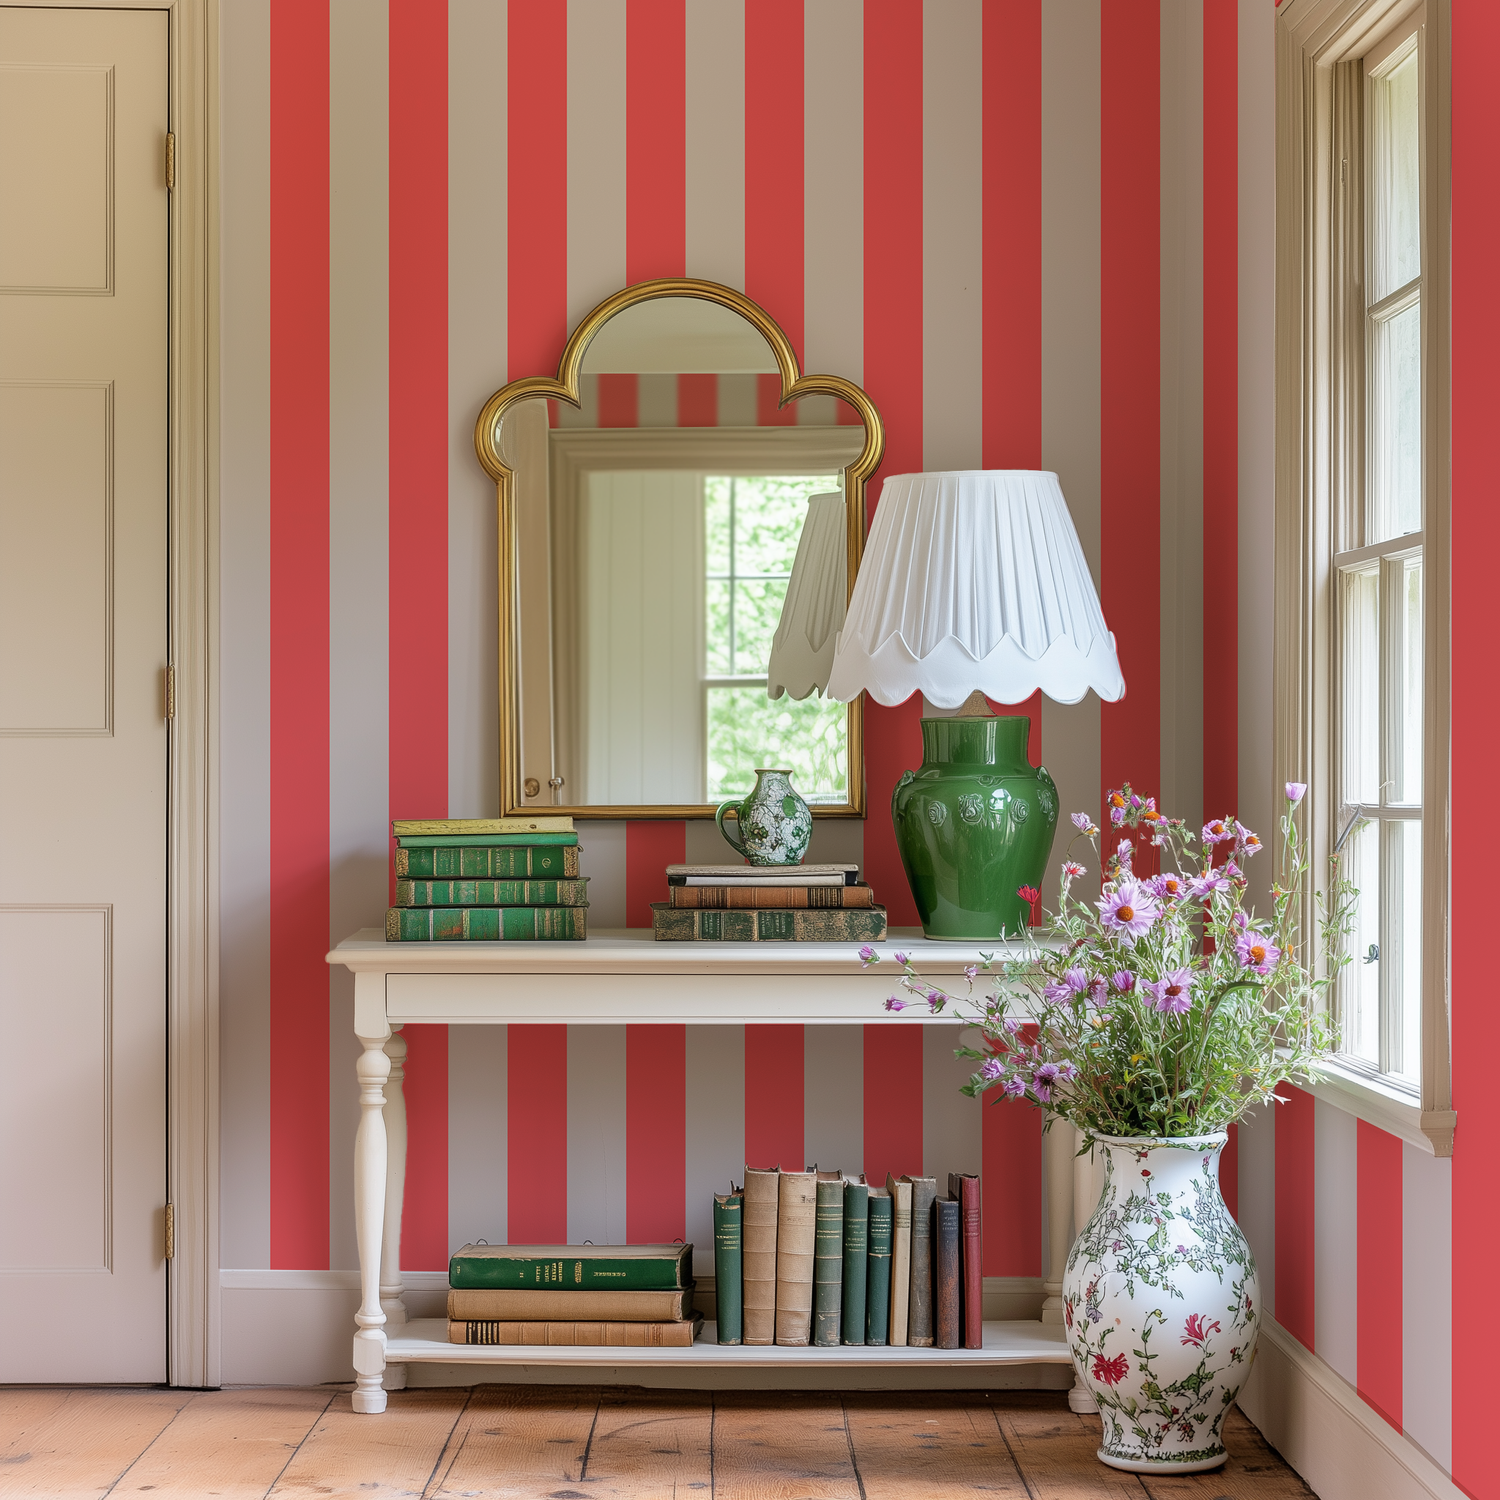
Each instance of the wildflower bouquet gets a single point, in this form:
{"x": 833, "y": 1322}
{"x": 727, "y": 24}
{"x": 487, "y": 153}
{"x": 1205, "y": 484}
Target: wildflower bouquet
{"x": 1166, "y": 1008}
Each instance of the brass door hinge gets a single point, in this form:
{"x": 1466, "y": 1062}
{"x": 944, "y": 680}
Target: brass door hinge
{"x": 171, "y": 1234}
{"x": 171, "y": 692}
{"x": 171, "y": 164}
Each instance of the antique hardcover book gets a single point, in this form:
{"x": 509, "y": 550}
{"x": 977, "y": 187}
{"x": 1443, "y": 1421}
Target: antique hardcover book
{"x": 796, "y": 1232}
{"x": 729, "y": 1264}
{"x": 544, "y": 1304}
{"x": 828, "y": 1261}
{"x": 743, "y": 874}
{"x": 965, "y": 1188}
{"x": 488, "y": 862}
{"x": 487, "y": 840}
{"x": 484, "y": 924}
{"x": 878, "y": 1275}
{"x": 492, "y": 892}
{"x": 919, "y": 1315}
{"x": 900, "y": 1256}
{"x": 679, "y": 925}
{"x": 576, "y": 1334}
{"x": 856, "y": 1259}
{"x": 947, "y": 1275}
{"x": 762, "y": 1205}
{"x": 467, "y": 827}
{"x": 766, "y": 896}
{"x": 628, "y": 1267}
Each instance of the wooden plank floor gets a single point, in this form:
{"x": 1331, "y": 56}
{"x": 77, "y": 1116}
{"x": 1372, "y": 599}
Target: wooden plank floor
{"x": 586, "y": 1443}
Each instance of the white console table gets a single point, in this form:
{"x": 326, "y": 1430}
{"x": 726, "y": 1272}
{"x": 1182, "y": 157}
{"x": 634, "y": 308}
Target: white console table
{"x": 612, "y": 978}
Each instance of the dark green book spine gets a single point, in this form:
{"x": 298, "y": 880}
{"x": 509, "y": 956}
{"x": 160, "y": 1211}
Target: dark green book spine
{"x": 489, "y": 862}
{"x": 492, "y": 893}
{"x": 856, "y": 1259}
{"x": 635, "y": 1273}
{"x": 923, "y": 1195}
{"x": 484, "y": 924}
{"x": 878, "y": 1307}
{"x": 485, "y": 840}
{"x": 828, "y": 1265}
{"x": 729, "y": 1265}
{"x": 682, "y": 924}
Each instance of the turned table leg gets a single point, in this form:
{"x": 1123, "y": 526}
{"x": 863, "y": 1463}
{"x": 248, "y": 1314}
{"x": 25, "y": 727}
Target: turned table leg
{"x": 392, "y": 1303}
{"x": 372, "y": 1070}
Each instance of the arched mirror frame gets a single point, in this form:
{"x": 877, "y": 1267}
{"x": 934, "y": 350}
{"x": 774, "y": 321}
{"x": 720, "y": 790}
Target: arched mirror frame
{"x": 487, "y": 443}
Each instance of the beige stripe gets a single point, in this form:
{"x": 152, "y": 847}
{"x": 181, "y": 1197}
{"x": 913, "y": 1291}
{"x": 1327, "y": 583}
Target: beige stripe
{"x": 833, "y": 1097}
{"x": 833, "y": 278}
{"x": 715, "y": 1109}
{"x": 952, "y": 234}
{"x": 477, "y": 231}
{"x": 1182, "y": 409}
{"x": 478, "y": 1127}
{"x": 244, "y": 641}
{"x": 737, "y": 401}
{"x": 596, "y": 155}
{"x": 656, "y": 401}
{"x": 715, "y": 165}
{"x": 358, "y": 720}
{"x": 596, "y": 1135}
{"x": 952, "y": 1124}
{"x": 1070, "y": 355}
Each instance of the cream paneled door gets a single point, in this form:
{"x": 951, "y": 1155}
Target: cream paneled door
{"x": 83, "y": 744}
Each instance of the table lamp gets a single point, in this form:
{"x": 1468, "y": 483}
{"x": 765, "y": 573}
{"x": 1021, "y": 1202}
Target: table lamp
{"x": 973, "y": 585}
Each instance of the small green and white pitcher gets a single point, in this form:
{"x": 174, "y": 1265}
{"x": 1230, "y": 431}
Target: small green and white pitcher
{"x": 774, "y": 822}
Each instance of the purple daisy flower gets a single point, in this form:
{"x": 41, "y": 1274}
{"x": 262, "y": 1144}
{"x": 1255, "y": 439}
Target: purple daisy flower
{"x": 1123, "y": 981}
{"x": 1295, "y": 791}
{"x": 1217, "y": 831}
{"x": 1098, "y": 991}
{"x": 1083, "y": 823}
{"x": 1168, "y": 887}
{"x": 1043, "y": 1093}
{"x": 894, "y": 1004}
{"x": 1048, "y": 1074}
{"x": 1014, "y": 1087}
{"x": 1204, "y": 885}
{"x": 1129, "y": 909}
{"x": 867, "y": 955}
{"x": 903, "y": 958}
{"x": 991, "y": 1068}
{"x": 1117, "y": 816}
{"x": 1173, "y": 992}
{"x": 1256, "y": 952}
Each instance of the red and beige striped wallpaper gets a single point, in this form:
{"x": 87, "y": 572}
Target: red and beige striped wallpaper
{"x": 1039, "y": 233}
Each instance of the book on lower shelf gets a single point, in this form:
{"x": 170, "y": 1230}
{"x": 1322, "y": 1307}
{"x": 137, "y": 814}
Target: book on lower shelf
{"x": 947, "y": 1275}
{"x": 762, "y": 1205}
{"x": 828, "y": 1262}
{"x": 576, "y": 1333}
{"x": 573, "y": 1267}
{"x": 555, "y": 1304}
{"x": 964, "y": 1188}
{"x": 919, "y": 1302}
{"x": 678, "y": 925}
{"x": 796, "y": 1225}
{"x": 729, "y": 1265}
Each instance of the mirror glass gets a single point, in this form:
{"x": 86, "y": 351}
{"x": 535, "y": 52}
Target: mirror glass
{"x": 681, "y": 569}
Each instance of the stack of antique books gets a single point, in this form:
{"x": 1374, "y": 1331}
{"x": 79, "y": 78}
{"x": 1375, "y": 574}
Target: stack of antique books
{"x": 486, "y": 879}
{"x": 824, "y": 1258}
{"x": 580, "y": 1295}
{"x": 740, "y": 903}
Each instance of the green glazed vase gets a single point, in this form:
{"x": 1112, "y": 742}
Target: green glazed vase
{"x": 973, "y": 826}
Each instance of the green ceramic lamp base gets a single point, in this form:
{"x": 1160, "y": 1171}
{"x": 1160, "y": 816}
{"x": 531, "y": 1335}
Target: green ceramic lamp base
{"x": 974, "y": 825}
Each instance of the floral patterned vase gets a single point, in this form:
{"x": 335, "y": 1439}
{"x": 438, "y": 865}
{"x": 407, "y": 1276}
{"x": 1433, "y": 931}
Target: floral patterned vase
{"x": 1162, "y": 1304}
{"x": 774, "y": 823}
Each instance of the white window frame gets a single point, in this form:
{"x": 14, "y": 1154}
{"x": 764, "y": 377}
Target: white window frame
{"x": 1320, "y": 464}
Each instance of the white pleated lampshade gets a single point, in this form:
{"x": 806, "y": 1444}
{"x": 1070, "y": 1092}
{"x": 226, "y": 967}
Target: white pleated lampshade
{"x": 974, "y": 579}
{"x": 813, "y": 611}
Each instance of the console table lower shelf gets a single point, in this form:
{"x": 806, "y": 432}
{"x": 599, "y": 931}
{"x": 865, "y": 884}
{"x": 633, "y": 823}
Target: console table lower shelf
{"x": 425, "y": 1340}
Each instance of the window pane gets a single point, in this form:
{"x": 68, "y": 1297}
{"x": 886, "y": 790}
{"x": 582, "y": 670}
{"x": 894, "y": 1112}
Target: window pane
{"x": 1396, "y": 200}
{"x": 718, "y": 642}
{"x": 1396, "y": 431}
{"x": 769, "y": 512}
{"x": 757, "y": 612}
{"x": 1404, "y": 940}
{"x": 1360, "y": 630}
{"x": 1361, "y": 979}
{"x": 1409, "y": 670}
{"x": 746, "y": 729}
{"x": 716, "y": 524}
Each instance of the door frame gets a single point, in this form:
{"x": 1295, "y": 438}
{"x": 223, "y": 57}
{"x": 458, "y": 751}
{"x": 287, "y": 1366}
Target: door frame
{"x": 192, "y": 1164}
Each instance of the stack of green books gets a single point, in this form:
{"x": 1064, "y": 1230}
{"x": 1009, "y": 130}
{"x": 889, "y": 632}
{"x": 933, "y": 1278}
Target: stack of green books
{"x": 486, "y": 880}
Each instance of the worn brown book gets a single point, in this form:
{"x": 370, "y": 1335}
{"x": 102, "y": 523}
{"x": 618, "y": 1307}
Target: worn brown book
{"x": 919, "y": 1321}
{"x": 565, "y": 1332}
{"x": 541, "y": 1304}
{"x": 758, "y": 1256}
{"x": 900, "y": 1256}
{"x": 964, "y": 1187}
{"x": 796, "y": 1234}
{"x": 947, "y": 1277}
{"x": 803, "y": 897}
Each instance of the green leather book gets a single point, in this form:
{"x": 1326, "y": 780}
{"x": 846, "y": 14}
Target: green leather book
{"x": 585, "y": 1267}
{"x": 488, "y": 862}
{"x": 486, "y": 840}
{"x": 878, "y": 1284}
{"x": 675, "y": 924}
{"x": 856, "y": 1258}
{"x": 483, "y": 924}
{"x": 492, "y": 893}
{"x": 919, "y": 1324}
{"x": 828, "y": 1262}
{"x": 729, "y": 1264}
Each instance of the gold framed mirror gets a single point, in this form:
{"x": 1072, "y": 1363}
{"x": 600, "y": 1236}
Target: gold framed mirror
{"x": 681, "y": 515}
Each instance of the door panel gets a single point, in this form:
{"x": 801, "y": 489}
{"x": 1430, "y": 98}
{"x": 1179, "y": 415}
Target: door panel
{"x": 83, "y": 645}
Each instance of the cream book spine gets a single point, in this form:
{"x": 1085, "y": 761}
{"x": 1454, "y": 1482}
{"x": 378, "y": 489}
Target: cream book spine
{"x": 900, "y": 1257}
{"x": 758, "y": 1255}
{"x": 796, "y": 1236}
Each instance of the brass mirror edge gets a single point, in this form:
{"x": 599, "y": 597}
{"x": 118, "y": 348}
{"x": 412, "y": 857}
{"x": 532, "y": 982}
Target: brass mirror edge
{"x": 565, "y": 388}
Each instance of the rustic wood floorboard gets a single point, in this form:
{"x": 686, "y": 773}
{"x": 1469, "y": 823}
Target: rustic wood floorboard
{"x": 519, "y": 1443}
{"x": 1057, "y": 1451}
{"x": 1255, "y": 1471}
{"x": 908, "y": 1445}
{"x": 652, "y": 1445}
{"x": 774, "y": 1446}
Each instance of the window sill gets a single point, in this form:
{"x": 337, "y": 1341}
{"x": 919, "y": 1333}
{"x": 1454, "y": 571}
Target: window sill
{"x": 1393, "y": 1109}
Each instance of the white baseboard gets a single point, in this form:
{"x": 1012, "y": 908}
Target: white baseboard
{"x": 1321, "y": 1426}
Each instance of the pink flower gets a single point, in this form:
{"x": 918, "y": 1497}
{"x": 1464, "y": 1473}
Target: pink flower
{"x": 991, "y": 1068}
{"x": 894, "y": 1004}
{"x": 1206, "y": 884}
{"x": 868, "y": 956}
{"x": 971, "y": 971}
{"x": 1072, "y": 870}
{"x": 1117, "y": 816}
{"x": 1129, "y": 909}
{"x": 1111, "y": 1371}
{"x": 1098, "y": 991}
{"x": 1217, "y": 831}
{"x": 1245, "y": 841}
{"x": 1198, "y": 1331}
{"x": 1123, "y": 980}
{"x": 1028, "y": 893}
{"x": 1168, "y": 887}
{"x": 1085, "y": 824}
{"x": 1173, "y": 992}
{"x": 1013, "y": 1088}
{"x": 1256, "y": 952}
{"x": 1295, "y": 791}
{"x": 903, "y": 959}
{"x": 1125, "y": 851}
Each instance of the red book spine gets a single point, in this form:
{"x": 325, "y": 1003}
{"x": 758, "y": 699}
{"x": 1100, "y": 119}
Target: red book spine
{"x": 973, "y": 1253}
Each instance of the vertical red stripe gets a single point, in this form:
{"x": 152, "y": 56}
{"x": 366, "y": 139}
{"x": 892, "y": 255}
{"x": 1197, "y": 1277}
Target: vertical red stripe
{"x": 424, "y": 1204}
{"x": 893, "y": 374}
{"x": 1229, "y": 1171}
{"x": 298, "y": 711}
{"x": 536, "y": 151}
{"x": 619, "y": 400}
{"x": 1474, "y": 1017}
{"x": 1130, "y": 384}
{"x": 650, "y": 846}
{"x": 773, "y": 162}
{"x": 1012, "y": 1187}
{"x": 893, "y": 1100}
{"x": 1221, "y": 399}
{"x": 1379, "y": 1324}
{"x": 536, "y": 1134}
{"x": 1295, "y": 1187}
{"x": 774, "y": 1101}
{"x": 655, "y": 1134}
{"x": 697, "y": 400}
{"x": 768, "y": 409}
{"x": 655, "y": 139}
